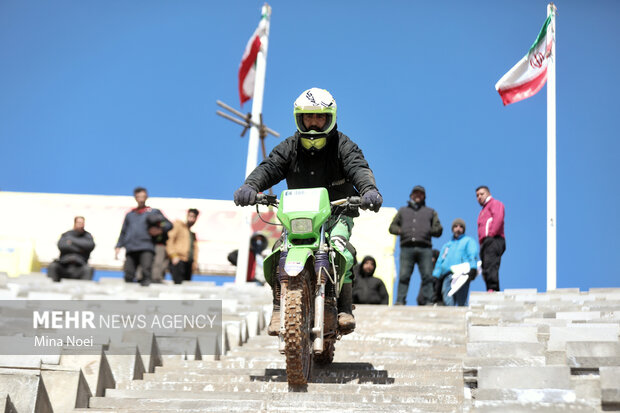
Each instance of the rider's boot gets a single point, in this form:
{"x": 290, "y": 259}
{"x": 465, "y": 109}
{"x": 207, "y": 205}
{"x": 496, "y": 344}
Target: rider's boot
{"x": 274, "y": 324}
{"x": 346, "y": 321}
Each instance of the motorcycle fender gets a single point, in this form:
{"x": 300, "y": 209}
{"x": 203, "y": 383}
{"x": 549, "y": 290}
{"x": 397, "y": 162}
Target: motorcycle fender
{"x": 270, "y": 266}
{"x": 296, "y": 260}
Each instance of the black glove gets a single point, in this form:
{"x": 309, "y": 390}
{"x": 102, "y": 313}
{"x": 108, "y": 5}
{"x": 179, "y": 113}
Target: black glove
{"x": 472, "y": 274}
{"x": 245, "y": 195}
{"x": 372, "y": 200}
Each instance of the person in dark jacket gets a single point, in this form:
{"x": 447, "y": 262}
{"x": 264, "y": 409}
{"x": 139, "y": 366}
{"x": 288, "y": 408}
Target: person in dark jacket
{"x": 318, "y": 155}
{"x": 137, "y": 238}
{"x": 159, "y": 226}
{"x": 416, "y": 224}
{"x": 366, "y": 288}
{"x": 75, "y": 247}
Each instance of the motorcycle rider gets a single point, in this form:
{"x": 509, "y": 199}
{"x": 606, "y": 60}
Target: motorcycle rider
{"x": 318, "y": 155}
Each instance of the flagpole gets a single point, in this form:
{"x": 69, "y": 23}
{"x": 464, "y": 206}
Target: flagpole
{"x": 257, "y": 109}
{"x": 551, "y": 163}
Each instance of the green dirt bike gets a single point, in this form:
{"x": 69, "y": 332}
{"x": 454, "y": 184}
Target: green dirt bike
{"x": 311, "y": 274}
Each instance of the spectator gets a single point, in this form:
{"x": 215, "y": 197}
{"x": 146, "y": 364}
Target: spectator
{"x": 182, "y": 249}
{"x": 416, "y": 224}
{"x": 460, "y": 249}
{"x": 258, "y": 243}
{"x": 75, "y": 247}
{"x": 159, "y": 226}
{"x": 366, "y": 288}
{"x": 137, "y": 239}
{"x": 491, "y": 236}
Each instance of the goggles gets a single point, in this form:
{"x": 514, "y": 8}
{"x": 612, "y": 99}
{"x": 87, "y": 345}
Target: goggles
{"x": 317, "y": 143}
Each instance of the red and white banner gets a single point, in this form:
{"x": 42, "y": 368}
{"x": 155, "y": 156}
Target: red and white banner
{"x": 247, "y": 68}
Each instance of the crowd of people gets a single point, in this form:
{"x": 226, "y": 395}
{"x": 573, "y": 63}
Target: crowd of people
{"x": 153, "y": 246}
{"x": 445, "y": 274}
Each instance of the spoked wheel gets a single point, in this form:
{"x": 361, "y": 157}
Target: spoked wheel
{"x": 298, "y": 323}
{"x": 327, "y": 356}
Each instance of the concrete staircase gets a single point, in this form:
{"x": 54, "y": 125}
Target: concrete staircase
{"x": 514, "y": 351}
{"x": 399, "y": 360}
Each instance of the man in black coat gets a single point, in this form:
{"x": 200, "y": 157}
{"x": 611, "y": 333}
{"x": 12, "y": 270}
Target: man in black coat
{"x": 316, "y": 156}
{"x": 75, "y": 247}
{"x": 366, "y": 288}
{"x": 416, "y": 224}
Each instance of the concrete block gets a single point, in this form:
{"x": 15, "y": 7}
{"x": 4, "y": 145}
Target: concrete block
{"x": 179, "y": 346}
{"x": 520, "y": 291}
{"x": 125, "y": 362}
{"x": 67, "y": 389}
{"x": 147, "y": 345}
{"x": 94, "y": 366}
{"x": 506, "y": 334}
{"x": 545, "y": 321}
{"x": 505, "y": 349}
{"x": 532, "y": 397}
{"x": 21, "y": 361}
{"x": 478, "y": 362}
{"x": 587, "y": 389}
{"x": 251, "y": 318}
{"x": 7, "y": 294}
{"x": 558, "y": 336}
{"x": 549, "y": 377}
{"x": 610, "y": 385}
{"x": 26, "y": 390}
{"x": 6, "y": 406}
{"x": 46, "y": 295}
{"x": 592, "y": 349}
{"x": 578, "y": 315}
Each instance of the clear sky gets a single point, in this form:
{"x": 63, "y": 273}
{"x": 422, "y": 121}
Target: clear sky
{"x": 97, "y": 97}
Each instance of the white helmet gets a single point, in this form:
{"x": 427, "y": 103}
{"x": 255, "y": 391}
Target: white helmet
{"x": 315, "y": 100}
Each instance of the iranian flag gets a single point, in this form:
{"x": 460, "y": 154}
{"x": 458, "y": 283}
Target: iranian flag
{"x": 528, "y": 76}
{"x": 247, "y": 68}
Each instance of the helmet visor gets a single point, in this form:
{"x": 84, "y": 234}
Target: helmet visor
{"x": 327, "y": 126}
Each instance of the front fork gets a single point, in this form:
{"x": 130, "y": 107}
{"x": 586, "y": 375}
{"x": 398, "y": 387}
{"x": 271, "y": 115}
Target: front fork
{"x": 321, "y": 268}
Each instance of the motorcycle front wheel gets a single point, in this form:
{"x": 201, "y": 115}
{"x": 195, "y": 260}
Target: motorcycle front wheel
{"x": 298, "y": 318}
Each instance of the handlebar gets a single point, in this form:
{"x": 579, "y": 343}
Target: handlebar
{"x": 269, "y": 200}
{"x": 272, "y": 200}
{"x": 352, "y": 201}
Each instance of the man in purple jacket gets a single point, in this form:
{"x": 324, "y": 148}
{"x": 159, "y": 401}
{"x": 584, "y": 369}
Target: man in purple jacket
{"x": 491, "y": 236}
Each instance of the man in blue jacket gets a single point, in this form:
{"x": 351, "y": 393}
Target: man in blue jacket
{"x": 137, "y": 237}
{"x": 460, "y": 249}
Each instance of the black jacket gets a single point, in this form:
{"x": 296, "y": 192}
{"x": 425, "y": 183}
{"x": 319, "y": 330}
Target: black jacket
{"x": 134, "y": 233}
{"x": 366, "y": 288}
{"x": 416, "y": 224}
{"x": 340, "y": 167}
{"x": 75, "y": 247}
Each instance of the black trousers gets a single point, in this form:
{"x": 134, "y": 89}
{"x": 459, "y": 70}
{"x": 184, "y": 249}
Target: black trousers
{"x": 491, "y": 252}
{"x": 56, "y": 271}
{"x": 181, "y": 271}
{"x": 144, "y": 259}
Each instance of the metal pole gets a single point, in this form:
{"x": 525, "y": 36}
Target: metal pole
{"x": 257, "y": 108}
{"x": 551, "y": 162}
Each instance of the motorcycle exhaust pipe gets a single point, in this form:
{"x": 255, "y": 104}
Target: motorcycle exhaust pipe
{"x": 319, "y": 314}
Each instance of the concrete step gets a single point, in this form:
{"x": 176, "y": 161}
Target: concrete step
{"x": 148, "y": 398}
{"x": 455, "y": 387}
{"x": 318, "y": 376}
{"x": 251, "y": 406}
